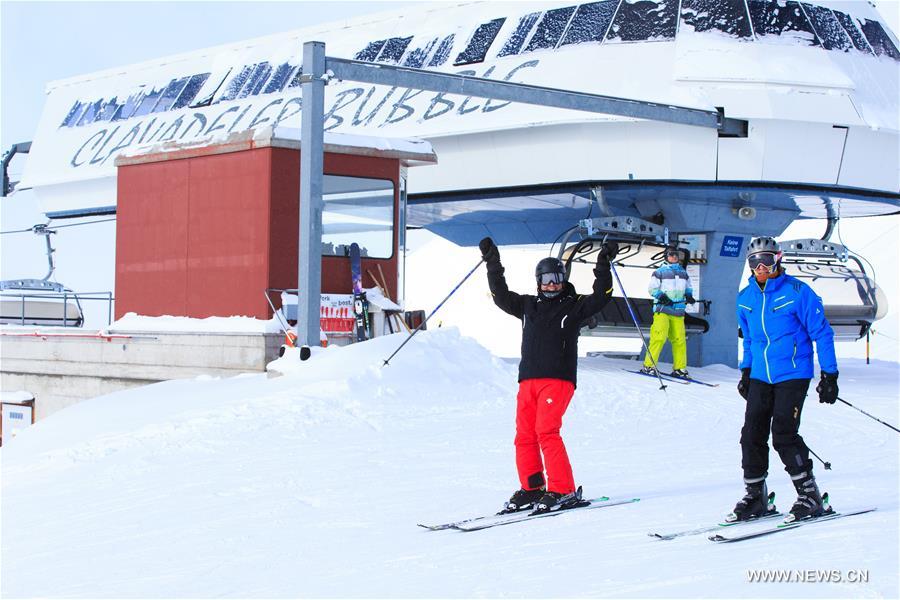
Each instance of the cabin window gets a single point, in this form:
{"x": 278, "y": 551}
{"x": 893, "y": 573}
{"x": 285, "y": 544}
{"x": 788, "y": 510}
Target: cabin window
{"x": 108, "y": 109}
{"x": 779, "y": 21}
{"x": 393, "y": 49}
{"x": 370, "y": 52}
{"x": 190, "y": 91}
{"x": 550, "y": 29}
{"x": 590, "y": 22}
{"x": 479, "y": 43}
{"x": 360, "y": 210}
{"x": 148, "y": 102}
{"x": 727, "y": 16}
{"x": 90, "y": 112}
{"x": 234, "y": 86}
{"x": 74, "y": 112}
{"x": 644, "y": 20}
{"x": 416, "y": 58}
{"x": 443, "y": 51}
{"x": 279, "y": 79}
{"x": 515, "y": 42}
{"x": 879, "y": 40}
{"x": 256, "y": 80}
{"x": 826, "y": 26}
{"x": 855, "y": 34}
{"x": 170, "y": 94}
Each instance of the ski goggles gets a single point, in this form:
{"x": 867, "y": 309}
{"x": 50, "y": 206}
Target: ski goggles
{"x": 548, "y": 278}
{"x": 674, "y": 253}
{"x": 767, "y": 259}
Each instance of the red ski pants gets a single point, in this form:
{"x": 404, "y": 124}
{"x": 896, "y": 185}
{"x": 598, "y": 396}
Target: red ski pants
{"x": 540, "y": 406}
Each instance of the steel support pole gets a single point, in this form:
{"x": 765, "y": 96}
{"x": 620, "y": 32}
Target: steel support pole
{"x": 309, "y": 259}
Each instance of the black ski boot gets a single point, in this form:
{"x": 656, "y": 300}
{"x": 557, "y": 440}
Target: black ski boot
{"x": 809, "y": 503}
{"x": 552, "y": 501}
{"x": 522, "y": 500}
{"x": 649, "y": 371}
{"x": 680, "y": 374}
{"x": 756, "y": 503}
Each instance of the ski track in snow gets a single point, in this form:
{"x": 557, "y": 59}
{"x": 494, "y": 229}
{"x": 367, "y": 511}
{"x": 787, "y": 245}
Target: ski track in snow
{"x": 311, "y": 485}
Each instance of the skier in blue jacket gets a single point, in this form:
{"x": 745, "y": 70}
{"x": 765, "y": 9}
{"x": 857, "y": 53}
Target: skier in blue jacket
{"x": 780, "y": 317}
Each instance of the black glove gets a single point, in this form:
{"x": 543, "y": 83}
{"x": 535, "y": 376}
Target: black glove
{"x": 489, "y": 251}
{"x": 663, "y": 299}
{"x": 607, "y": 252}
{"x": 690, "y": 299}
{"x": 744, "y": 383}
{"x": 828, "y": 388}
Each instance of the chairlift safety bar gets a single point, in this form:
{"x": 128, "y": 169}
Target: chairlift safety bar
{"x": 814, "y": 248}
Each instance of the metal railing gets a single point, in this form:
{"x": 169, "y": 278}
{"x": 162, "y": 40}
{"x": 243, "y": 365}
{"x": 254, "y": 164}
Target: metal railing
{"x": 63, "y": 299}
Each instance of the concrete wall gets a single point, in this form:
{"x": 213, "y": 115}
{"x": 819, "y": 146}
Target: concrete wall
{"x": 60, "y": 369}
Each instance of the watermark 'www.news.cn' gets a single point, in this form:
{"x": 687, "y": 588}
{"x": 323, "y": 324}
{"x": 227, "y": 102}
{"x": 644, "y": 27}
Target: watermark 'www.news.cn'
{"x": 807, "y": 576}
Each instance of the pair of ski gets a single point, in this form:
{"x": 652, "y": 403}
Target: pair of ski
{"x": 771, "y": 516}
{"x": 488, "y": 521}
{"x": 829, "y": 515}
{"x": 673, "y": 379}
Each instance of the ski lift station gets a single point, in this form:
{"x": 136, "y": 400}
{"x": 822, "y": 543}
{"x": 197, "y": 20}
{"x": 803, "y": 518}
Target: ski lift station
{"x": 701, "y": 123}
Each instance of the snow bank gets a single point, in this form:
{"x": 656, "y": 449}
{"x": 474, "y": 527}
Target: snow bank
{"x": 311, "y": 485}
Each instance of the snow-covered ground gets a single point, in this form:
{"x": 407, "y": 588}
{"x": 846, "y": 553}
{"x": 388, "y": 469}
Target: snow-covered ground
{"x": 311, "y": 485}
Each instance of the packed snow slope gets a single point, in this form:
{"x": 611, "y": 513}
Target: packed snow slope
{"x": 311, "y": 485}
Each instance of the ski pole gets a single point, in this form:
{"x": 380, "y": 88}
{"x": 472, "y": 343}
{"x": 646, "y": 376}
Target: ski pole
{"x": 422, "y": 324}
{"x": 662, "y": 386}
{"x": 824, "y": 462}
{"x": 868, "y": 415}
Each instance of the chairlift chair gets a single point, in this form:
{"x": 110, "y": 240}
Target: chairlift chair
{"x": 635, "y": 237}
{"x": 851, "y": 298}
{"x": 40, "y": 301}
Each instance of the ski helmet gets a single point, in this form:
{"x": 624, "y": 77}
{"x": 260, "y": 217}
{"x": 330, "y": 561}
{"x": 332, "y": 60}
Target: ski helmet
{"x": 549, "y": 270}
{"x": 764, "y": 251}
{"x": 763, "y": 244}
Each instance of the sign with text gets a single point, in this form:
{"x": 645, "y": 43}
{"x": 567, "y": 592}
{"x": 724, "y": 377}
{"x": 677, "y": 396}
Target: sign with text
{"x": 732, "y": 246}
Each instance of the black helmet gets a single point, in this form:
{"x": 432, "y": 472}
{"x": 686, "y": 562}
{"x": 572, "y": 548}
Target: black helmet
{"x": 549, "y": 270}
{"x": 550, "y": 265}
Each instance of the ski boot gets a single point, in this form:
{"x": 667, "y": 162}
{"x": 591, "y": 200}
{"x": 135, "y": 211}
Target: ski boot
{"x": 680, "y": 374}
{"x": 522, "y": 500}
{"x": 649, "y": 371}
{"x": 756, "y": 503}
{"x": 552, "y": 501}
{"x": 809, "y": 503}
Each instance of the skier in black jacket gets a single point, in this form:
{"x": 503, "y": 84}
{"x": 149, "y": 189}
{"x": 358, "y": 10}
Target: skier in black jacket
{"x": 551, "y": 322}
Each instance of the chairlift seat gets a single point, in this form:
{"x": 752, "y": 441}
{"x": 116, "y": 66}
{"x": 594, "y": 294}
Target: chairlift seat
{"x": 614, "y": 320}
{"x": 32, "y": 311}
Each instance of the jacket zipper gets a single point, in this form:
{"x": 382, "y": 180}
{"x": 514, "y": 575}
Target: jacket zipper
{"x": 762, "y": 319}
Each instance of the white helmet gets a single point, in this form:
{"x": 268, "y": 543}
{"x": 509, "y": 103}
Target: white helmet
{"x": 763, "y": 244}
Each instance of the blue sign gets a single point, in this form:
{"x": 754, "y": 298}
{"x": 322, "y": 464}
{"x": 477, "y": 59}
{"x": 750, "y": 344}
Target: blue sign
{"x": 731, "y": 246}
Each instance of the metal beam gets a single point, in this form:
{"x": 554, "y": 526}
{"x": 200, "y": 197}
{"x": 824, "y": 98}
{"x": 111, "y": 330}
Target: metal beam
{"x": 309, "y": 259}
{"x": 462, "y": 85}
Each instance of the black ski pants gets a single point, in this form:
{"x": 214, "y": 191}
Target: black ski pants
{"x": 776, "y": 407}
